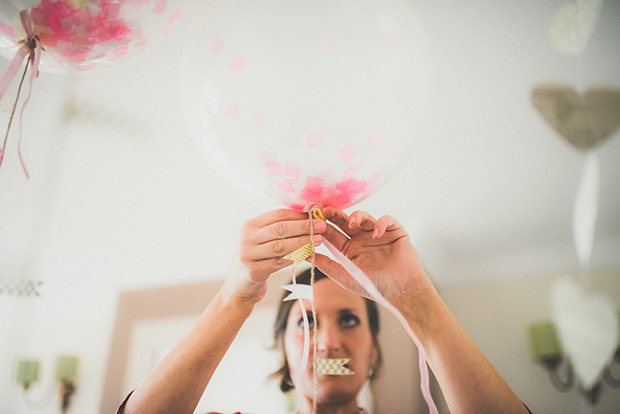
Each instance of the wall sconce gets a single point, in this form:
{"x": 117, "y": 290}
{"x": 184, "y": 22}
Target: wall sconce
{"x": 546, "y": 349}
{"x": 65, "y": 373}
{"x": 27, "y": 373}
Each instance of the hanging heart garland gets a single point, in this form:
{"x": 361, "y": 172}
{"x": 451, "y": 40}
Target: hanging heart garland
{"x": 584, "y": 121}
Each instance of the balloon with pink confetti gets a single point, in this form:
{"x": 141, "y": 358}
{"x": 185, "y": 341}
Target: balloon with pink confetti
{"x": 307, "y": 101}
{"x": 87, "y": 34}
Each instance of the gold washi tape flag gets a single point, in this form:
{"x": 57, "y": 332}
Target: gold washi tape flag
{"x": 306, "y": 250}
{"x": 301, "y": 254}
{"x": 299, "y": 292}
{"x": 332, "y": 366}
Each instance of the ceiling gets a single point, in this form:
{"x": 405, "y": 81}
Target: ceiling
{"x": 119, "y": 193}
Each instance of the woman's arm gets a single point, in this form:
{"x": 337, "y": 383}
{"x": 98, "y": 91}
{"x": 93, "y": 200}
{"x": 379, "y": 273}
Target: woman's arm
{"x": 178, "y": 382}
{"x": 382, "y": 249}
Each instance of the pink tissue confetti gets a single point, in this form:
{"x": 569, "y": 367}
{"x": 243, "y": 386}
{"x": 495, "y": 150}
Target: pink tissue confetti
{"x": 82, "y": 16}
{"x": 352, "y": 186}
{"x": 232, "y": 112}
{"x": 352, "y": 170}
{"x": 259, "y": 119}
{"x": 333, "y": 44}
{"x": 48, "y": 39}
{"x": 274, "y": 169}
{"x": 174, "y": 16}
{"x": 160, "y": 7}
{"x": 120, "y": 51}
{"x": 389, "y": 43}
{"x": 269, "y": 157}
{"x": 347, "y": 153}
{"x": 217, "y": 46}
{"x": 340, "y": 195}
{"x": 375, "y": 176}
{"x": 375, "y": 140}
{"x": 287, "y": 80}
{"x": 168, "y": 32}
{"x": 286, "y": 185}
{"x": 111, "y": 11}
{"x": 237, "y": 64}
{"x": 7, "y": 31}
{"x": 292, "y": 169}
{"x": 315, "y": 140}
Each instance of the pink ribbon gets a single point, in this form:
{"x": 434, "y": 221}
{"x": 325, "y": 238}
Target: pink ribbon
{"x": 32, "y": 47}
{"x": 365, "y": 282}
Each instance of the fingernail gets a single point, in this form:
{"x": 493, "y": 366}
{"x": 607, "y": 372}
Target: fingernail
{"x": 320, "y": 226}
{"x": 317, "y": 239}
{"x": 375, "y": 234}
{"x": 351, "y": 221}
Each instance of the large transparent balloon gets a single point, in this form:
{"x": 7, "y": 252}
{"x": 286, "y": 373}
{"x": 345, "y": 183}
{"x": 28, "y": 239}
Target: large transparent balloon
{"x": 307, "y": 101}
{"x": 87, "y": 34}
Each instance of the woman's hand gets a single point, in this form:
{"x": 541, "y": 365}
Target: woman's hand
{"x": 265, "y": 240}
{"x": 381, "y": 248}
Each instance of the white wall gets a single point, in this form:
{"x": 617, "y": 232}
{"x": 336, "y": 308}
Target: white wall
{"x": 496, "y": 313}
{"x": 72, "y": 317}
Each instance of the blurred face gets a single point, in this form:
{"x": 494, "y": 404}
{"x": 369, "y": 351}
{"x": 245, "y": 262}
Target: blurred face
{"x": 342, "y": 332}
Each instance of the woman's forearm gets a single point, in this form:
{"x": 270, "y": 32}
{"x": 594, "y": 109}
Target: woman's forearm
{"x": 469, "y": 382}
{"x": 178, "y": 382}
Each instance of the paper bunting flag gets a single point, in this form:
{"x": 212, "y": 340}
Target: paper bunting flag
{"x": 301, "y": 254}
{"x": 299, "y": 292}
{"x": 332, "y": 367}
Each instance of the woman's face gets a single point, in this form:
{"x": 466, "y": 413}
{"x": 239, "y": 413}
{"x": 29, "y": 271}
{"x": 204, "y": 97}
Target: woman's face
{"x": 343, "y": 332}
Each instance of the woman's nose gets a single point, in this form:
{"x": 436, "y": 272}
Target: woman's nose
{"x": 328, "y": 339}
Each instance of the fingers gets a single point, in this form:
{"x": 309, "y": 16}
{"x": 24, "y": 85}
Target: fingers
{"x": 332, "y": 269}
{"x": 266, "y": 239}
{"x": 335, "y": 237}
{"x": 277, "y": 248}
{"x": 385, "y": 224}
{"x": 276, "y": 216}
{"x": 361, "y": 220}
{"x": 287, "y": 229}
{"x": 336, "y": 272}
{"x": 339, "y": 218}
{"x": 358, "y": 222}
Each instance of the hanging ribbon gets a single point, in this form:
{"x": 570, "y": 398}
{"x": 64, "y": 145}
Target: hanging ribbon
{"x": 30, "y": 46}
{"x": 364, "y": 281}
{"x": 585, "y": 212}
{"x": 301, "y": 292}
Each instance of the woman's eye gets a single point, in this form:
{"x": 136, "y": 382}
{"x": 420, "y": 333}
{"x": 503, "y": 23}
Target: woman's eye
{"x": 349, "y": 321}
{"x": 300, "y": 322}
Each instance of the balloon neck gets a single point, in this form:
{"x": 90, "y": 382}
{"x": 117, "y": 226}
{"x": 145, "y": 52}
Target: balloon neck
{"x": 311, "y": 206}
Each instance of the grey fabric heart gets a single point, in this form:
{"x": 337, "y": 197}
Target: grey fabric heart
{"x": 584, "y": 121}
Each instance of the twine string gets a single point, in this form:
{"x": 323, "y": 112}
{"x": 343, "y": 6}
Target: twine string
{"x": 8, "y": 129}
{"x": 314, "y": 320}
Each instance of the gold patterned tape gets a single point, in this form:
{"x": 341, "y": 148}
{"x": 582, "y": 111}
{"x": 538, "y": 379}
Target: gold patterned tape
{"x": 306, "y": 250}
{"x": 332, "y": 366}
{"x": 301, "y": 254}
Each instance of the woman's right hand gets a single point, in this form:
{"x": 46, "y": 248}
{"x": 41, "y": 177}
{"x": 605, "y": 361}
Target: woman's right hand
{"x": 265, "y": 240}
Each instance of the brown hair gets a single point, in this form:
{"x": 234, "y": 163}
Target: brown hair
{"x": 279, "y": 327}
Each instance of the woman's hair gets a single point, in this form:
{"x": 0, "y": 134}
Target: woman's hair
{"x": 279, "y": 327}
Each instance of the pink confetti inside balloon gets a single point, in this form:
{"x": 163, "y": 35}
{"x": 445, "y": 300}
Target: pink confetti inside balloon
{"x": 87, "y": 34}
{"x": 307, "y": 101}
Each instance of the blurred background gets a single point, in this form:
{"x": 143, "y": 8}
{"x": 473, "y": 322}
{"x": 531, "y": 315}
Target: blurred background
{"x": 120, "y": 201}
